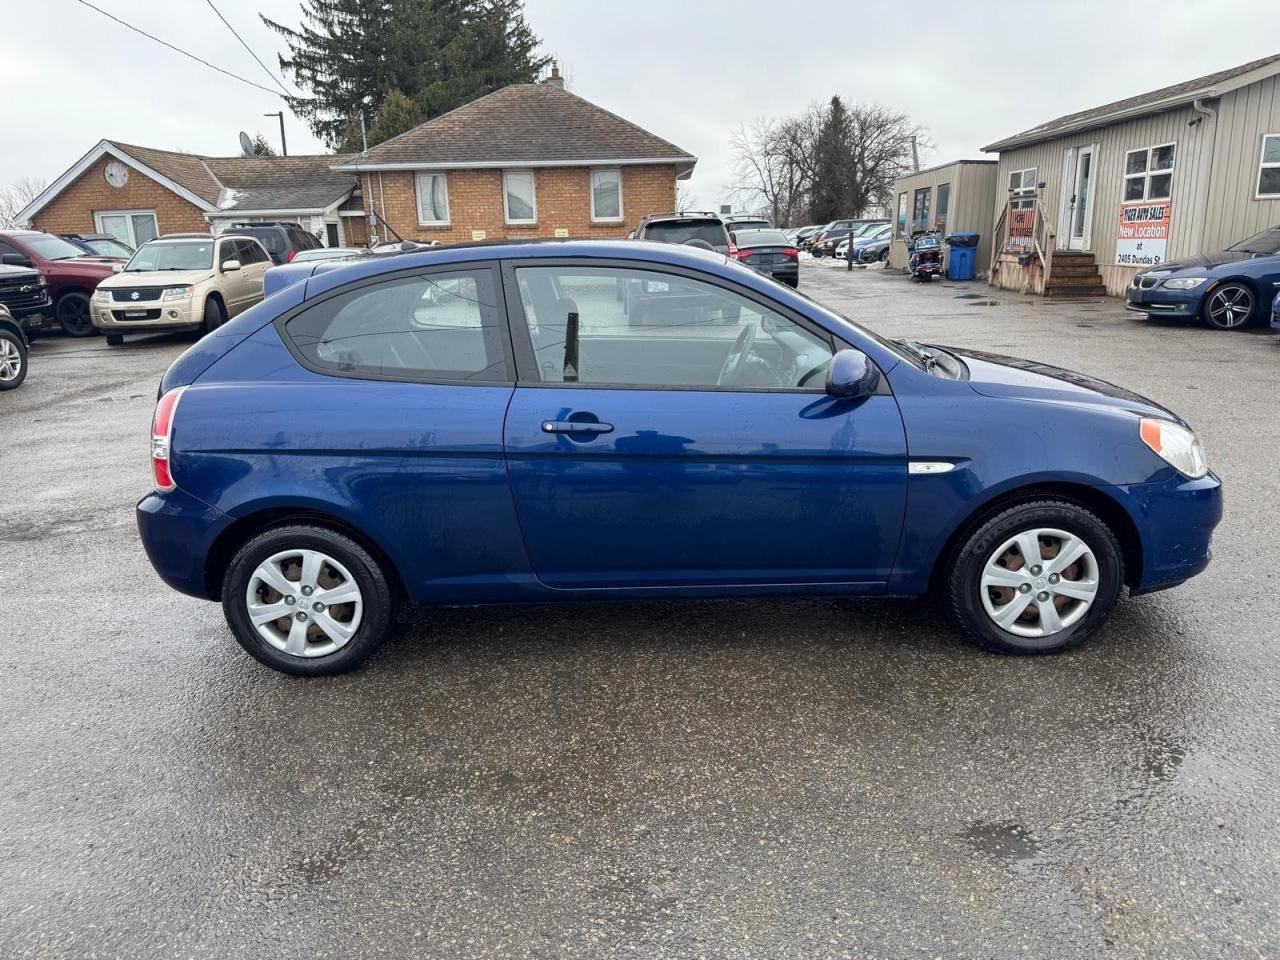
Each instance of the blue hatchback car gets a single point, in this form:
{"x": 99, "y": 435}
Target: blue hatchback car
{"x": 1227, "y": 290}
{"x": 482, "y": 424}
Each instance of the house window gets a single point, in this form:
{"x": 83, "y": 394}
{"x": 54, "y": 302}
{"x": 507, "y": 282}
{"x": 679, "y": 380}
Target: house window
{"x": 433, "y": 200}
{"x": 1022, "y": 188}
{"x": 1148, "y": 173}
{"x": 1269, "y": 167}
{"x": 606, "y": 194}
{"x": 920, "y": 210}
{"x": 519, "y": 199}
{"x": 134, "y": 227}
{"x": 944, "y": 202}
{"x": 902, "y": 214}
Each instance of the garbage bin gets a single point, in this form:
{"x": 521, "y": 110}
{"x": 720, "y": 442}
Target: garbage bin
{"x": 963, "y": 256}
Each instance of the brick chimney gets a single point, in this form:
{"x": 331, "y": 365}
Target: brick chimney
{"x": 555, "y": 79}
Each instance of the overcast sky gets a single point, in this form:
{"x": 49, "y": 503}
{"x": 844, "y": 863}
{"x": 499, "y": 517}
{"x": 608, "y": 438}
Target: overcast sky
{"x": 691, "y": 71}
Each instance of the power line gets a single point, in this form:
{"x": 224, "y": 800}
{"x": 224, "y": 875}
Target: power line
{"x": 165, "y": 43}
{"x": 268, "y": 72}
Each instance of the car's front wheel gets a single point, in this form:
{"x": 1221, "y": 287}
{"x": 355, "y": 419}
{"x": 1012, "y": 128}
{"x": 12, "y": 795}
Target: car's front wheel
{"x": 1229, "y": 306}
{"x": 13, "y": 360}
{"x": 307, "y": 600}
{"x": 72, "y": 312}
{"x": 1038, "y": 577}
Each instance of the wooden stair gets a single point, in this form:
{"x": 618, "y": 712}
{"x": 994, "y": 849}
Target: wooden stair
{"x": 1074, "y": 275}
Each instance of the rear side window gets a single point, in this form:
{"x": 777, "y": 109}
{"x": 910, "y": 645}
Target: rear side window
{"x": 682, "y": 231}
{"x": 272, "y": 238}
{"x": 438, "y": 326}
{"x": 302, "y": 240}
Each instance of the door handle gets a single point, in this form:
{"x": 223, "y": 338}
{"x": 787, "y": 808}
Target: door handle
{"x": 576, "y": 426}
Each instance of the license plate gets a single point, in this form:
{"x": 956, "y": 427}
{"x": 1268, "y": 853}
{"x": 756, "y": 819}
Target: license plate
{"x": 135, "y": 314}
{"x": 657, "y": 286}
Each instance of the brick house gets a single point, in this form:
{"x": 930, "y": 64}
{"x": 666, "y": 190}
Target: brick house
{"x": 528, "y": 160}
{"x": 136, "y": 193}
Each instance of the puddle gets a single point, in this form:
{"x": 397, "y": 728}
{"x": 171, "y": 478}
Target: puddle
{"x": 1010, "y": 843}
{"x": 968, "y": 296}
{"x": 984, "y": 303}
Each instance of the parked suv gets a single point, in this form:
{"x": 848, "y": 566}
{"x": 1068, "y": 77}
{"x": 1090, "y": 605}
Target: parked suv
{"x": 25, "y": 295}
{"x": 181, "y": 283}
{"x": 71, "y": 273}
{"x": 282, "y": 240}
{"x": 99, "y": 244}
{"x": 687, "y": 227}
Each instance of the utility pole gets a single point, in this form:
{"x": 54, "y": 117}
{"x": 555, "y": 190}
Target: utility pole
{"x": 915, "y": 155}
{"x": 284, "y": 147}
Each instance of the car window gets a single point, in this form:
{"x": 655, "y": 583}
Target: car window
{"x": 228, "y": 250}
{"x": 270, "y": 237}
{"x": 682, "y": 231}
{"x": 626, "y": 327}
{"x": 439, "y": 326}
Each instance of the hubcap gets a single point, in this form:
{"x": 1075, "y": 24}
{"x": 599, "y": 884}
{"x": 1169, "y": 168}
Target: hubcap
{"x": 1039, "y": 583}
{"x": 1230, "y": 306}
{"x": 10, "y": 360}
{"x": 274, "y": 597}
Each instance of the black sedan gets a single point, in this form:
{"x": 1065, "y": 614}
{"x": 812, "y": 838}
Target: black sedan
{"x": 771, "y": 253}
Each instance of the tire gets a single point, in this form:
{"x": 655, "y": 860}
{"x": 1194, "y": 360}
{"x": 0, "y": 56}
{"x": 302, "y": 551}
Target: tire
{"x": 72, "y": 312}
{"x": 13, "y": 360}
{"x": 372, "y": 612}
{"x": 1230, "y": 306}
{"x": 974, "y": 606}
{"x": 214, "y": 315}
{"x": 884, "y": 256}
{"x": 115, "y": 339}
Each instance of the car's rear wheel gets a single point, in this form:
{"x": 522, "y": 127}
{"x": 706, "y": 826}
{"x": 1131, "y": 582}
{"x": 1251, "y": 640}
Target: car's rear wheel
{"x": 73, "y": 316}
{"x": 307, "y": 601}
{"x": 1039, "y": 577}
{"x": 1229, "y": 306}
{"x": 13, "y": 360}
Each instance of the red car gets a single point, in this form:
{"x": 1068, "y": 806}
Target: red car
{"x": 70, "y": 273}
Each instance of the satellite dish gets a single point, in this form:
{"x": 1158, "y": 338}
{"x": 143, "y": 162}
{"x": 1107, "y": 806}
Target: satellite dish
{"x": 246, "y": 144}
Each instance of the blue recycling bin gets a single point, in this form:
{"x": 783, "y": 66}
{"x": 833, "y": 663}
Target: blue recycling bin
{"x": 962, "y": 258}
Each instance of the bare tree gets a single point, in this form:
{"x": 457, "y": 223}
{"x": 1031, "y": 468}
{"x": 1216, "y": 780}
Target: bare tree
{"x": 14, "y": 199}
{"x": 769, "y": 176}
{"x": 685, "y": 198}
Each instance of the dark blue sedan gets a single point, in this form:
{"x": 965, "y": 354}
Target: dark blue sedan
{"x": 483, "y": 424}
{"x": 1227, "y": 290}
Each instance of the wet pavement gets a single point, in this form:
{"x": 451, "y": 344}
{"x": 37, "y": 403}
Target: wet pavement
{"x": 722, "y": 780}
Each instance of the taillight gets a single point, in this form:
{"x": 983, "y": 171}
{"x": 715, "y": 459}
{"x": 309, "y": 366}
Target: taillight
{"x": 790, "y": 252}
{"x": 292, "y": 254}
{"x": 733, "y": 251}
{"x": 161, "y": 436}
{"x": 743, "y": 255}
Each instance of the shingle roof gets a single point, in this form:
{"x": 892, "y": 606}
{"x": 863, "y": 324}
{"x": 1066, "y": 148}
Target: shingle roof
{"x": 1153, "y": 102}
{"x": 524, "y": 123}
{"x": 250, "y": 183}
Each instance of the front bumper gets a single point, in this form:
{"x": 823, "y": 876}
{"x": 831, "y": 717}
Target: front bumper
{"x": 1161, "y": 301}
{"x": 34, "y": 317}
{"x": 1175, "y": 521}
{"x": 152, "y": 315}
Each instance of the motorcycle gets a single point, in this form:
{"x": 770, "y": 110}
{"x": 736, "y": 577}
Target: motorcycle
{"x": 925, "y": 261}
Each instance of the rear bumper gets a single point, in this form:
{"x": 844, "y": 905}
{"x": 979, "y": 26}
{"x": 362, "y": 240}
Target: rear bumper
{"x": 177, "y": 531}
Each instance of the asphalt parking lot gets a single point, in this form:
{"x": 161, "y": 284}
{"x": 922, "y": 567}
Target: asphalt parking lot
{"x": 720, "y": 780}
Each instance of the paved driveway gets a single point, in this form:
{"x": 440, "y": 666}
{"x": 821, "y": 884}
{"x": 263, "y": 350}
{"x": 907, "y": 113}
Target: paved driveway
{"x": 737, "y": 779}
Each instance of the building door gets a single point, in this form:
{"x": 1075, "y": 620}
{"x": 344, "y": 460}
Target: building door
{"x": 1080, "y": 213}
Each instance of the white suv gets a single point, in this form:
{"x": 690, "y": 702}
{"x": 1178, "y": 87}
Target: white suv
{"x": 181, "y": 282}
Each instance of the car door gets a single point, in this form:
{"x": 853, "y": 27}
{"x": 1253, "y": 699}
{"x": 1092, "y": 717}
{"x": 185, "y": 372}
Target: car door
{"x": 681, "y": 447}
{"x": 254, "y": 262}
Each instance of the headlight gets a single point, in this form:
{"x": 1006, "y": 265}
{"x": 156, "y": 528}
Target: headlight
{"x": 1184, "y": 283}
{"x": 1176, "y": 446}
{"x": 176, "y": 293}
{"x": 101, "y": 294}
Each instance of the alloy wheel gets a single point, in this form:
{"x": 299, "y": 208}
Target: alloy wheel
{"x": 304, "y": 603}
{"x": 1039, "y": 582}
{"x": 1230, "y": 306}
{"x": 10, "y": 360}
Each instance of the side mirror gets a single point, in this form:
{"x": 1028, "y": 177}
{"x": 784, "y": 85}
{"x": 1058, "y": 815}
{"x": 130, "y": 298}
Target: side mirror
{"x": 230, "y": 266}
{"x": 117, "y": 267}
{"x": 15, "y": 260}
{"x": 851, "y": 375}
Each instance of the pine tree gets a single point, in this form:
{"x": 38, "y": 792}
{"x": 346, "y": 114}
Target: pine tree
{"x": 261, "y": 147}
{"x": 350, "y": 56}
{"x": 830, "y": 200}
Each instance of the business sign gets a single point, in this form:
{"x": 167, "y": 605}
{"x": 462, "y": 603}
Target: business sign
{"x": 1022, "y": 228}
{"x": 1143, "y": 235}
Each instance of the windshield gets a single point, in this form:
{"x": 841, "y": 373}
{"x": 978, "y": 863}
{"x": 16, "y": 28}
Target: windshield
{"x": 736, "y": 225}
{"x": 53, "y": 248}
{"x": 1265, "y": 243}
{"x": 682, "y": 231}
{"x": 172, "y": 256}
{"x": 110, "y": 248}
{"x": 761, "y": 238}
{"x": 862, "y": 229}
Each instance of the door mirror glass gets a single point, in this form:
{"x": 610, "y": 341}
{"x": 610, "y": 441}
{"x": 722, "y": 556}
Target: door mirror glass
{"x": 230, "y": 266}
{"x": 852, "y": 375}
